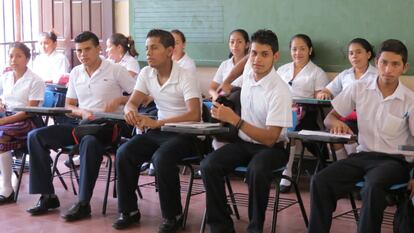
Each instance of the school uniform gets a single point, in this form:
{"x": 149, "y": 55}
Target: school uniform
{"x": 383, "y": 125}
{"x": 187, "y": 63}
{"x": 165, "y": 149}
{"x": 18, "y": 94}
{"x": 51, "y": 67}
{"x": 345, "y": 79}
{"x": 223, "y": 70}
{"x": 264, "y": 103}
{"x": 106, "y": 83}
{"x": 129, "y": 63}
{"x": 309, "y": 80}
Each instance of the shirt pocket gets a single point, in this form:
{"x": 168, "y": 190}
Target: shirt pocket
{"x": 393, "y": 126}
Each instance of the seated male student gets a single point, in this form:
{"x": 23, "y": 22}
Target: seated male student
{"x": 386, "y": 108}
{"x": 94, "y": 86}
{"x": 266, "y": 110}
{"x": 176, "y": 93}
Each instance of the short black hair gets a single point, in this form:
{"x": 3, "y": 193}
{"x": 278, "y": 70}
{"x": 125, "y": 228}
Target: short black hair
{"x": 85, "y": 36}
{"x": 180, "y": 33}
{"x": 395, "y": 46}
{"x": 365, "y": 44}
{"x": 49, "y": 35}
{"x": 266, "y": 37}
{"x": 166, "y": 38}
{"x": 21, "y": 46}
{"x": 307, "y": 40}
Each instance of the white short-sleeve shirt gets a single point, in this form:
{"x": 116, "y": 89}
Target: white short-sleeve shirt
{"x": 51, "y": 67}
{"x": 107, "y": 83}
{"x": 187, "y": 63}
{"x": 171, "y": 97}
{"x": 267, "y": 102}
{"x": 347, "y": 77}
{"x": 383, "y": 124}
{"x": 129, "y": 63}
{"x": 18, "y": 94}
{"x": 309, "y": 80}
{"x": 223, "y": 70}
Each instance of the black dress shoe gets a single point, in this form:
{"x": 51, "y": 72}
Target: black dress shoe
{"x": 170, "y": 225}
{"x": 77, "y": 211}
{"x": 125, "y": 220}
{"x": 43, "y": 205}
{"x": 285, "y": 188}
{"x": 5, "y": 200}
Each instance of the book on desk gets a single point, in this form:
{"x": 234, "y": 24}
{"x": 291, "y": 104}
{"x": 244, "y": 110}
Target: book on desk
{"x": 194, "y": 125}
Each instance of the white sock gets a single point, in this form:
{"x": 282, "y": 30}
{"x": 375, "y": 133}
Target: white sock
{"x": 76, "y": 160}
{"x": 289, "y": 165}
{"x": 351, "y": 148}
{"x": 6, "y": 174}
{"x": 341, "y": 154}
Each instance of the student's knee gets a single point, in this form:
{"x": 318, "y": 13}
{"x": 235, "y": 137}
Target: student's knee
{"x": 123, "y": 153}
{"x": 35, "y": 134}
{"x": 257, "y": 169}
{"x": 318, "y": 181}
{"x": 208, "y": 166}
{"x": 162, "y": 160}
{"x": 89, "y": 140}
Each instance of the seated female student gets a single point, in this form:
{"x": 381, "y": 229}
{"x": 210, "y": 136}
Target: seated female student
{"x": 239, "y": 47}
{"x": 50, "y": 64}
{"x": 360, "y": 53}
{"x": 121, "y": 49}
{"x": 305, "y": 80}
{"x": 21, "y": 87}
{"x": 179, "y": 55}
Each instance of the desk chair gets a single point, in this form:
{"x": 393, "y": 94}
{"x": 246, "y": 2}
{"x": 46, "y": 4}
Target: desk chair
{"x": 276, "y": 203}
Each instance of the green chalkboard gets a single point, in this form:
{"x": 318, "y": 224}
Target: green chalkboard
{"x": 330, "y": 23}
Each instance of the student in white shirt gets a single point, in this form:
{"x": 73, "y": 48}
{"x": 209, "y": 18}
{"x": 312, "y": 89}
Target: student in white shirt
{"x": 96, "y": 85}
{"x": 305, "y": 80}
{"x": 360, "y": 53}
{"x": 388, "y": 109}
{"x": 21, "y": 87}
{"x": 179, "y": 55}
{"x": 121, "y": 49}
{"x": 50, "y": 64}
{"x": 178, "y": 99}
{"x": 266, "y": 113}
{"x": 239, "y": 47}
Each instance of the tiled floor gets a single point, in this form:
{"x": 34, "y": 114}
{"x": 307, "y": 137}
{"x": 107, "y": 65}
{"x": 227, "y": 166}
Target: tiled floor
{"x": 14, "y": 219}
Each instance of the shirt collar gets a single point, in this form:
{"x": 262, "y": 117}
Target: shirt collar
{"x": 398, "y": 93}
{"x": 265, "y": 81}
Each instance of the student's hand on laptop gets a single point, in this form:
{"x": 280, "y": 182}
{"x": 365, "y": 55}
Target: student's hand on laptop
{"x": 132, "y": 118}
{"x": 224, "y": 113}
{"x": 323, "y": 95}
{"x": 341, "y": 128}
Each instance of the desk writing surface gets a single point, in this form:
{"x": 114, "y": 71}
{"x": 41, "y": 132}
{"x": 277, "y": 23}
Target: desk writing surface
{"x": 406, "y": 148}
{"x": 115, "y": 116}
{"x": 195, "y": 131}
{"x": 42, "y": 110}
{"x": 309, "y": 101}
{"x": 317, "y": 138}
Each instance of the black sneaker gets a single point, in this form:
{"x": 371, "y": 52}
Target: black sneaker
{"x": 77, "y": 211}
{"x": 285, "y": 188}
{"x": 44, "y": 205}
{"x": 170, "y": 225}
{"x": 126, "y": 220}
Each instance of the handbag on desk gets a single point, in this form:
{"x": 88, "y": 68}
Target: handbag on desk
{"x": 105, "y": 130}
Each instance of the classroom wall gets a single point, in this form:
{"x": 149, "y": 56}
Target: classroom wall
{"x": 205, "y": 74}
{"x": 121, "y": 16}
